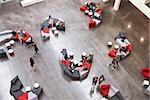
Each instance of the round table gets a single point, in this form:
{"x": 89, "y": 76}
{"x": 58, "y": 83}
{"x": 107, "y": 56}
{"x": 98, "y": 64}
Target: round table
{"x": 86, "y": 12}
{"x": 90, "y": 14}
{"x": 71, "y": 55}
{"x": 12, "y": 42}
{"x": 11, "y": 52}
{"x": 109, "y": 43}
{"x": 56, "y": 33}
{"x": 8, "y": 45}
{"x": 116, "y": 47}
{"x": 53, "y": 29}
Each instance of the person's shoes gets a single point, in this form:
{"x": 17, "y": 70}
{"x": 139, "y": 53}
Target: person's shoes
{"x": 108, "y": 66}
{"x": 113, "y": 67}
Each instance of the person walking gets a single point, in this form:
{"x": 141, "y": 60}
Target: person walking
{"x": 36, "y": 49}
{"x": 114, "y": 63}
{"x": 32, "y": 63}
{"x": 94, "y": 82}
{"x": 101, "y": 79}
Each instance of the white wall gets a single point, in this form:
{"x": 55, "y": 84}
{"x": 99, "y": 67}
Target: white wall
{"x": 140, "y": 4}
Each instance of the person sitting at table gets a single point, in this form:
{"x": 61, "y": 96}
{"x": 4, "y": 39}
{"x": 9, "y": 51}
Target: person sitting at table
{"x": 51, "y": 21}
{"x": 14, "y": 33}
{"x": 28, "y": 43}
{"x": 61, "y": 24}
{"x": 87, "y": 4}
{"x": 94, "y": 82}
{"x": 45, "y": 24}
{"x": 66, "y": 57}
{"x": 21, "y": 33}
{"x": 97, "y": 7}
{"x": 123, "y": 39}
{"x": 89, "y": 58}
{"x": 123, "y": 49}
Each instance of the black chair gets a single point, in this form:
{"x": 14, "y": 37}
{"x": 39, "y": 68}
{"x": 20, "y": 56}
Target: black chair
{"x": 75, "y": 75}
{"x": 68, "y": 72}
{"x": 16, "y": 87}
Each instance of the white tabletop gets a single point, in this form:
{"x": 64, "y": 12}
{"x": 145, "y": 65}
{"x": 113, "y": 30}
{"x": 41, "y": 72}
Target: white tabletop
{"x": 36, "y": 85}
{"x": 56, "y": 32}
{"x": 10, "y": 51}
{"x": 7, "y": 44}
{"x": 54, "y": 28}
{"x": 28, "y": 88}
{"x": 32, "y": 96}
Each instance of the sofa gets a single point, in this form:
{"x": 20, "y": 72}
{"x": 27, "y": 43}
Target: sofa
{"x": 95, "y": 15}
{"x": 78, "y": 72}
{"x": 17, "y": 90}
{"x": 5, "y": 36}
{"x": 109, "y": 91}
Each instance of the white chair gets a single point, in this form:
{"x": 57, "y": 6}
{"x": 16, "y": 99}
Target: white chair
{"x": 97, "y": 21}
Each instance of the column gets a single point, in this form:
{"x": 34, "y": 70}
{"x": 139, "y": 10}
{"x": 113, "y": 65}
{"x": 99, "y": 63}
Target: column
{"x": 117, "y": 4}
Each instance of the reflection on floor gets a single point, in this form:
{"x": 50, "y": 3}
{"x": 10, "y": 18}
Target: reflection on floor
{"x": 77, "y": 38}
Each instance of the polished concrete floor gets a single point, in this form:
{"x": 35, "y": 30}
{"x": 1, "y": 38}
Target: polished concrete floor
{"x": 77, "y": 38}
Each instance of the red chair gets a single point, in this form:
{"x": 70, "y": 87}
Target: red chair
{"x": 66, "y": 62}
{"x": 46, "y": 30}
{"x": 92, "y": 24}
{"x": 24, "y": 96}
{"x": 112, "y": 53}
{"x": 146, "y": 72}
{"x": 104, "y": 90}
{"x": 83, "y": 8}
{"x": 88, "y": 66}
{"x": 25, "y": 37}
{"x": 129, "y": 47}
